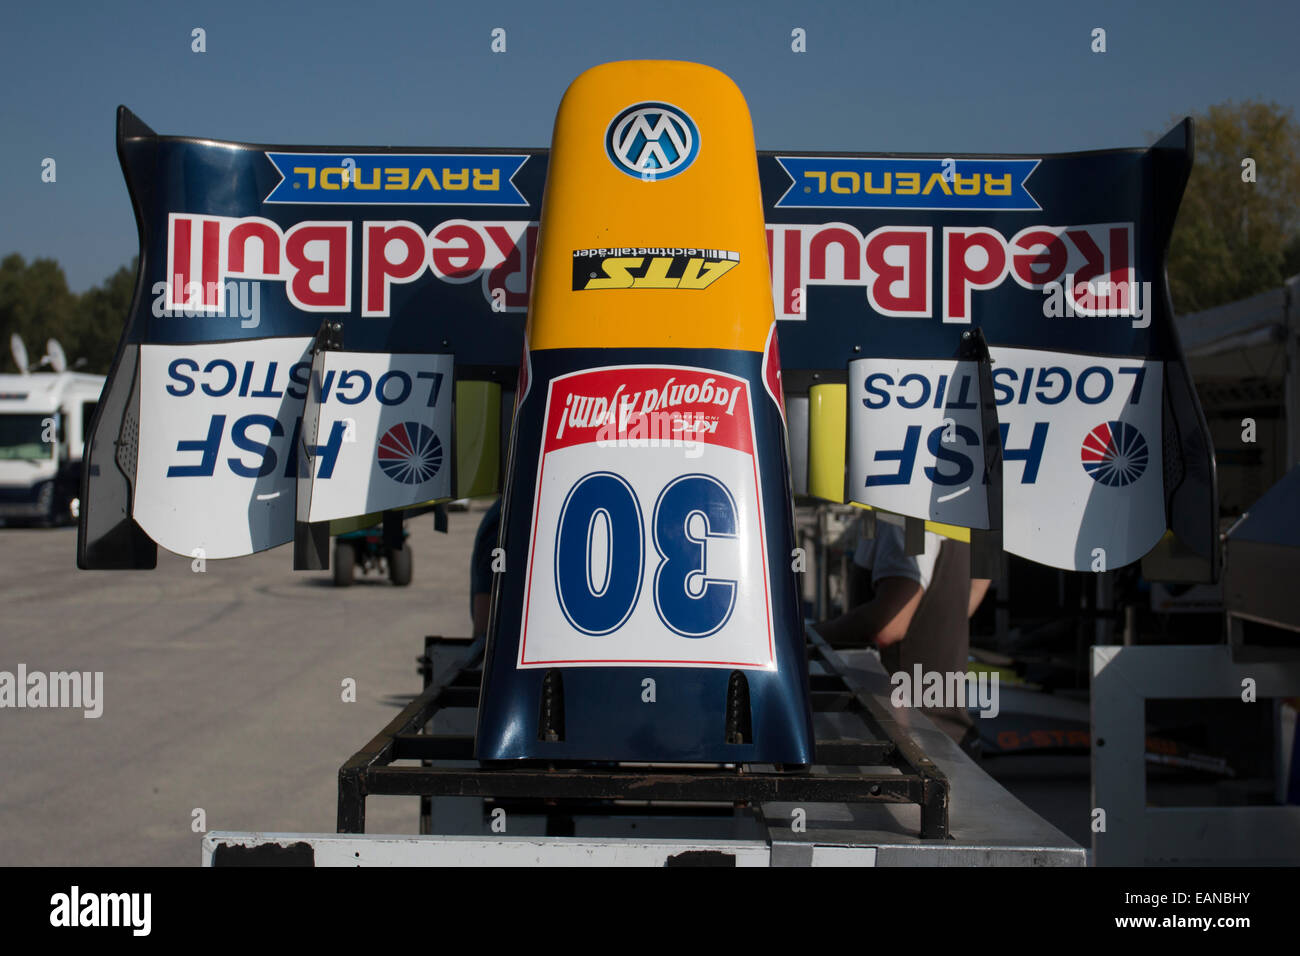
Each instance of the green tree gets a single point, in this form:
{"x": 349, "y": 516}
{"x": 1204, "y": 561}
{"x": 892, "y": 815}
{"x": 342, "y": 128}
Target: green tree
{"x": 1235, "y": 238}
{"x": 35, "y": 303}
{"x": 99, "y": 320}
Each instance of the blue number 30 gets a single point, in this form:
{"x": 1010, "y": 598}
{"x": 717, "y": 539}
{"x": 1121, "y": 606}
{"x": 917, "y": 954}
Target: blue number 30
{"x": 689, "y": 602}
{"x": 602, "y": 507}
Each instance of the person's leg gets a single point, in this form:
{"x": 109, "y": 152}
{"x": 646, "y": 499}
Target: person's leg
{"x": 480, "y": 569}
{"x": 939, "y": 640}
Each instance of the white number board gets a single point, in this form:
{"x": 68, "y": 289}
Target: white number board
{"x": 648, "y": 543}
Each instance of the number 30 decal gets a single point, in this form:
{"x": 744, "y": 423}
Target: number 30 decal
{"x": 600, "y": 554}
{"x": 688, "y": 601}
{"x": 601, "y": 509}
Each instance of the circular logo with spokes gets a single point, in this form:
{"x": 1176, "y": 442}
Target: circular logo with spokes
{"x": 1114, "y": 454}
{"x": 652, "y": 141}
{"x": 410, "y": 453}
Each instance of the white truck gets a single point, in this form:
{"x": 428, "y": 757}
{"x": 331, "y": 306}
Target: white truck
{"x": 44, "y": 420}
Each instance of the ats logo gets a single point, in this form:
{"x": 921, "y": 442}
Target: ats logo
{"x": 1114, "y": 454}
{"x": 650, "y": 268}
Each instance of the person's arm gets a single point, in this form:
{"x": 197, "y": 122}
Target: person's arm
{"x": 898, "y": 599}
{"x": 883, "y": 620}
{"x": 978, "y": 588}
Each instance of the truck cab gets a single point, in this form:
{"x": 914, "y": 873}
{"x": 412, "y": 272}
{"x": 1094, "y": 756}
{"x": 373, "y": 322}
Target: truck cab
{"x": 44, "y": 420}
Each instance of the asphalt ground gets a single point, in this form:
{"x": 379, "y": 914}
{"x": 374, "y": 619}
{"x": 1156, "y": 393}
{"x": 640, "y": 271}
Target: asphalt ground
{"x": 222, "y": 692}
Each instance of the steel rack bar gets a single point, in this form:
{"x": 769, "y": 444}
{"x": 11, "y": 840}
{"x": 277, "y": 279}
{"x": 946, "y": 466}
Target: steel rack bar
{"x": 900, "y": 771}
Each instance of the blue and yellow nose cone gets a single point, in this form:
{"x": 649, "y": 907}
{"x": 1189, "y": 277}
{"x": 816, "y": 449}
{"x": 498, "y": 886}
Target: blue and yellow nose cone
{"x": 649, "y": 610}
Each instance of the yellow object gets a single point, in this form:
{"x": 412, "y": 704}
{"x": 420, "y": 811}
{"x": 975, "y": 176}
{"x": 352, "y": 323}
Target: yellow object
{"x": 827, "y": 413}
{"x": 478, "y": 439}
{"x": 346, "y": 525}
{"x": 596, "y": 208}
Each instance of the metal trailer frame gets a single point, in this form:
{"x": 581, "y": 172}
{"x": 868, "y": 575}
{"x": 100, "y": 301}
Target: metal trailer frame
{"x": 987, "y": 825}
{"x": 905, "y": 775}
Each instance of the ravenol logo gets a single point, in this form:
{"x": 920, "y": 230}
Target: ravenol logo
{"x": 415, "y": 179}
{"x": 651, "y": 141}
{"x": 1114, "y": 454}
{"x": 410, "y": 453}
{"x": 880, "y": 182}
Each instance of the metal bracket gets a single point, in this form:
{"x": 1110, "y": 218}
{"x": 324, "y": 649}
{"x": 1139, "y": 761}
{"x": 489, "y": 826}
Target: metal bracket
{"x": 311, "y": 541}
{"x": 1123, "y": 679}
{"x": 986, "y": 546}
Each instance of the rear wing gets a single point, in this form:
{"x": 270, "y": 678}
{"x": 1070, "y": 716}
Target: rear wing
{"x": 327, "y": 333}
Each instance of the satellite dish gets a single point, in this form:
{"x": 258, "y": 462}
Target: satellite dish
{"x": 54, "y": 352}
{"x": 19, "y": 352}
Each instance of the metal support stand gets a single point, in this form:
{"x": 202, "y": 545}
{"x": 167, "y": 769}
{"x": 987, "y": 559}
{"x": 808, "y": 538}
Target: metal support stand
{"x": 842, "y": 774}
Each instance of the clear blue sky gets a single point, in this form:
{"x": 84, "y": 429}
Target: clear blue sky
{"x": 925, "y": 76}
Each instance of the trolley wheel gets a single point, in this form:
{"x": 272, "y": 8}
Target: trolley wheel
{"x": 345, "y": 560}
{"x": 399, "y": 566}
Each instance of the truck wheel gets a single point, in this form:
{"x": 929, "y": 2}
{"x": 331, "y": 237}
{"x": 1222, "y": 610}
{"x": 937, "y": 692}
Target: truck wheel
{"x": 399, "y": 566}
{"x": 45, "y": 501}
{"x": 345, "y": 560}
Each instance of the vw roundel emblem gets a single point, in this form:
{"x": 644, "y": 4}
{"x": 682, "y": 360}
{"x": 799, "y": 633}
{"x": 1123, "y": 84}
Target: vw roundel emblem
{"x": 652, "y": 141}
{"x": 1114, "y": 454}
{"x": 410, "y": 453}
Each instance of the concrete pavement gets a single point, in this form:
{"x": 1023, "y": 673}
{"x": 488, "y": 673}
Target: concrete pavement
{"x": 222, "y": 693}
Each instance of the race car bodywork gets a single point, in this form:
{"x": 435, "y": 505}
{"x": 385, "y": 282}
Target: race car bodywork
{"x": 648, "y": 489}
{"x": 322, "y": 334}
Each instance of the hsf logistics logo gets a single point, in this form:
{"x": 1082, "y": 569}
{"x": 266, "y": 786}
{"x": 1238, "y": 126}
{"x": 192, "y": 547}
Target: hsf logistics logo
{"x": 237, "y": 426}
{"x": 1073, "y": 437}
{"x": 409, "y": 453}
{"x": 1114, "y": 454}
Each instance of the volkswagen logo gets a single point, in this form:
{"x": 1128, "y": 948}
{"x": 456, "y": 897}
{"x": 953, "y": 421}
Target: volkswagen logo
{"x": 652, "y": 141}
